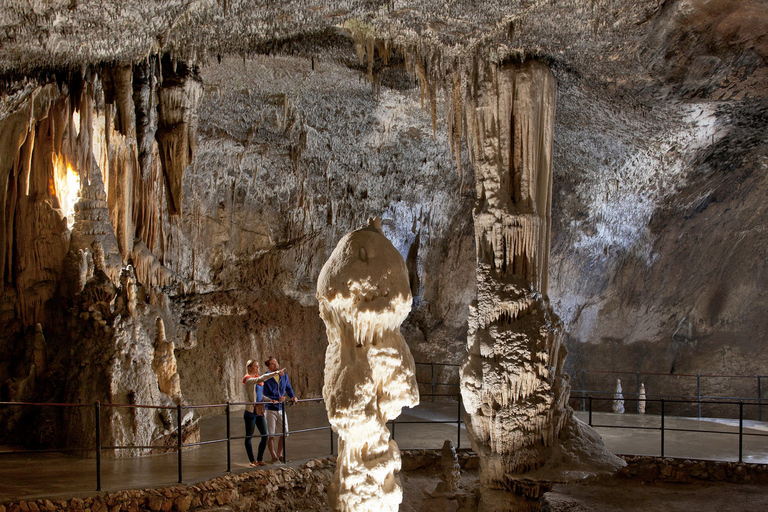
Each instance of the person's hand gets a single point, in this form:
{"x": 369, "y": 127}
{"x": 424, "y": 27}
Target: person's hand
{"x": 294, "y": 399}
{"x": 282, "y": 399}
{"x": 282, "y": 372}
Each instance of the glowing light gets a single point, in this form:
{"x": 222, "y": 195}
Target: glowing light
{"x": 76, "y": 121}
{"x": 67, "y": 190}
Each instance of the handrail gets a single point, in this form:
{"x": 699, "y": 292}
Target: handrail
{"x": 180, "y": 445}
{"x": 582, "y": 389}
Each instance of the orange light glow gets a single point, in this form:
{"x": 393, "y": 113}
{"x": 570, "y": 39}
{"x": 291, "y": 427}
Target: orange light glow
{"x": 67, "y": 190}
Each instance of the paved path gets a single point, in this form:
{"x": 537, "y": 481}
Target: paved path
{"x": 27, "y": 476}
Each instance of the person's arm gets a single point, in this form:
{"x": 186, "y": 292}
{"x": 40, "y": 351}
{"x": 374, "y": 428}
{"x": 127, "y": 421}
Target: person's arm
{"x": 270, "y": 390}
{"x": 265, "y": 377}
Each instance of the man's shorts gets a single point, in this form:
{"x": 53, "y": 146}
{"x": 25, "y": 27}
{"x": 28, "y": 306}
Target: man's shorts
{"x": 275, "y": 422}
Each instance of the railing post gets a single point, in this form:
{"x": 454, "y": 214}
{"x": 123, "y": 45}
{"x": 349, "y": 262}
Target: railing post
{"x": 97, "y": 412}
{"x": 741, "y": 429}
{"x": 330, "y": 429}
{"x": 393, "y": 428}
{"x": 583, "y": 388}
{"x": 662, "y": 428}
{"x": 590, "y": 410}
{"x": 178, "y": 435}
{"x": 433, "y": 380}
{"x": 285, "y": 445}
{"x": 759, "y": 401}
{"x": 229, "y": 443}
{"x": 458, "y": 423}
{"x": 698, "y": 392}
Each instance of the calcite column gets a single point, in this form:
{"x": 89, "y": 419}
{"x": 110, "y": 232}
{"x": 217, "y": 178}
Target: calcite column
{"x": 512, "y": 383}
{"x": 364, "y": 295}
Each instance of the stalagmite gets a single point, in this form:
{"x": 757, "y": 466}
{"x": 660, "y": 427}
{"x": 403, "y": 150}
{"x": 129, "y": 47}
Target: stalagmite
{"x": 450, "y": 469}
{"x": 512, "y": 383}
{"x": 364, "y": 295}
{"x": 641, "y": 400}
{"x": 618, "y": 398}
{"x": 164, "y": 364}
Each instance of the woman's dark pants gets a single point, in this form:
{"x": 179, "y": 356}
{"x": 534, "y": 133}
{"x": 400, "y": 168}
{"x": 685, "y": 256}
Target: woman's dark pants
{"x": 251, "y": 420}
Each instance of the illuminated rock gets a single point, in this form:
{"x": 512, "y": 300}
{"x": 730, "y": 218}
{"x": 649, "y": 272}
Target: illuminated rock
{"x": 618, "y": 398}
{"x": 513, "y": 385}
{"x": 364, "y": 296}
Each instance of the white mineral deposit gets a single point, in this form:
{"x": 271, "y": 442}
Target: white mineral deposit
{"x": 641, "y": 400}
{"x": 364, "y": 296}
{"x": 618, "y": 398}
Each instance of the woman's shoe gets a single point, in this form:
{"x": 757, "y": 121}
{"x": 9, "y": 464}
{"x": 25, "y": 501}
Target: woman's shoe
{"x": 254, "y": 464}
{"x": 261, "y": 463}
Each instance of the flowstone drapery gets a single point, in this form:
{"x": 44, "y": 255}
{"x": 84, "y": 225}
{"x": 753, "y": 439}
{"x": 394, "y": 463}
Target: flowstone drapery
{"x": 513, "y": 386}
{"x": 364, "y": 295}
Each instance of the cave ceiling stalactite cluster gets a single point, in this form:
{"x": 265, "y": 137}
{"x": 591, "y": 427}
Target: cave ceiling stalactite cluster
{"x": 176, "y": 173}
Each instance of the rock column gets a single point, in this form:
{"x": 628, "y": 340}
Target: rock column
{"x": 364, "y": 296}
{"x": 513, "y": 386}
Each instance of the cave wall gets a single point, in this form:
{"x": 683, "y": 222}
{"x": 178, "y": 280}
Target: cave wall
{"x": 294, "y": 153}
{"x": 658, "y": 261}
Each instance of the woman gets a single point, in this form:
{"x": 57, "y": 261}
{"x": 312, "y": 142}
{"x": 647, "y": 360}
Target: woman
{"x": 254, "y": 416}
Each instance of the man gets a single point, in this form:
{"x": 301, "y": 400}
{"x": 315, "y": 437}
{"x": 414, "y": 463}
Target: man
{"x": 276, "y": 389}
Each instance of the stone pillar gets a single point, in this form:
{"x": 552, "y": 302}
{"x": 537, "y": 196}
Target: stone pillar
{"x": 512, "y": 383}
{"x": 364, "y": 295}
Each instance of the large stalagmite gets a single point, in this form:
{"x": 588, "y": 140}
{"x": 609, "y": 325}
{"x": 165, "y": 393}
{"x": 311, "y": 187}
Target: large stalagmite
{"x": 364, "y": 296}
{"x": 513, "y": 387}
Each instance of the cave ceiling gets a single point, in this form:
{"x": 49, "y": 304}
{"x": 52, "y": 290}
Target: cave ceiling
{"x": 605, "y": 39}
{"x": 659, "y": 151}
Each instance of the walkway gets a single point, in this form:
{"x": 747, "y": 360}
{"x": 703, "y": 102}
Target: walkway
{"x": 56, "y": 475}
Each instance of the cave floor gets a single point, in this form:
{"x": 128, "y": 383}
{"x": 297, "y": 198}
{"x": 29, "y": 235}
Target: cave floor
{"x": 49, "y": 475}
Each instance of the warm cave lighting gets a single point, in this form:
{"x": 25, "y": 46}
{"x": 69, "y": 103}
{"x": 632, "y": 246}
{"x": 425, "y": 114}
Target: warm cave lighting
{"x": 67, "y": 188}
{"x": 76, "y": 122}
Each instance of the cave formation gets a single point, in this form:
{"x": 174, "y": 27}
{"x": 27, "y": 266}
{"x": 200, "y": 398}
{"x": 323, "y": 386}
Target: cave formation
{"x": 364, "y": 296}
{"x": 176, "y": 174}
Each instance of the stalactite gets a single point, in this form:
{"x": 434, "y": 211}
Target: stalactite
{"x": 145, "y": 84}
{"x": 178, "y": 100}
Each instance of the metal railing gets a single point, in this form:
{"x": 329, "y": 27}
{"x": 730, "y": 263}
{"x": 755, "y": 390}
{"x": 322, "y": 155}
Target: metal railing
{"x": 580, "y": 388}
{"x": 663, "y": 428}
{"x": 97, "y": 446}
{"x": 458, "y": 421}
{"x": 432, "y": 382}
{"x": 589, "y": 399}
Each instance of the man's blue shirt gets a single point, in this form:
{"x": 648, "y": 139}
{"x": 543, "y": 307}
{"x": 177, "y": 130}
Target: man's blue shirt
{"x": 274, "y": 391}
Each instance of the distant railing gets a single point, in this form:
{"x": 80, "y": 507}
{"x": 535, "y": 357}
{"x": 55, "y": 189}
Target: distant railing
{"x": 580, "y": 391}
{"x": 432, "y": 382}
{"x": 663, "y": 429}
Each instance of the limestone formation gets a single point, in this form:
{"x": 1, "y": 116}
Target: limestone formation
{"x": 179, "y": 98}
{"x": 164, "y": 364}
{"x": 450, "y": 469}
{"x": 512, "y": 382}
{"x": 618, "y": 398}
{"x": 364, "y": 295}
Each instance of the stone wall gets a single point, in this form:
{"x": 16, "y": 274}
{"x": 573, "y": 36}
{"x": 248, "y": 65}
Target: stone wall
{"x": 303, "y": 487}
{"x": 281, "y": 488}
{"x": 658, "y": 470}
